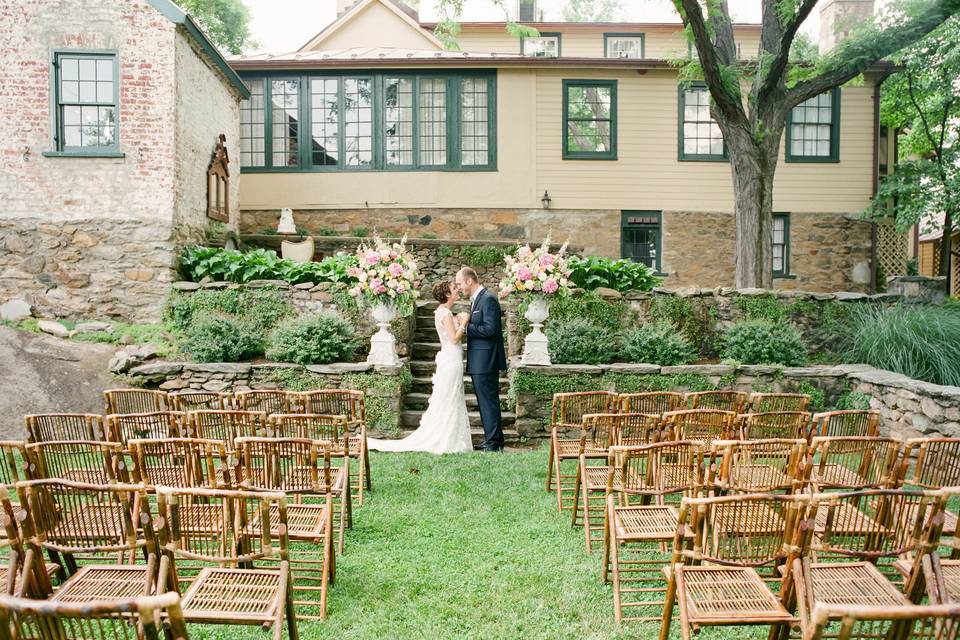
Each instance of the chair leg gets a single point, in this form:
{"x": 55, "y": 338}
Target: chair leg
{"x": 550, "y": 465}
{"x": 557, "y": 465}
{"x": 607, "y": 524}
{"x": 288, "y": 607}
{"x": 586, "y": 518}
{"x": 668, "y": 602}
{"x": 576, "y": 495}
{"x": 366, "y": 463}
{"x": 361, "y": 480}
{"x": 615, "y": 566}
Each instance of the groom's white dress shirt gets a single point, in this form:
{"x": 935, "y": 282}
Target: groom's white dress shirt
{"x": 473, "y": 298}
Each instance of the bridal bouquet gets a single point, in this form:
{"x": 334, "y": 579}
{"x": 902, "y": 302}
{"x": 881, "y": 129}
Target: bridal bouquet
{"x": 537, "y": 271}
{"x": 387, "y": 274}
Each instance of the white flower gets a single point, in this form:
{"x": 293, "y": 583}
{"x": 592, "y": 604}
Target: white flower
{"x": 362, "y": 276}
{"x": 392, "y": 284}
{"x": 530, "y": 285}
{"x": 542, "y": 276}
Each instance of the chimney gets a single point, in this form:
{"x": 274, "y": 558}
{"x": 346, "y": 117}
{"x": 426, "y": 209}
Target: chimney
{"x": 344, "y": 5}
{"x": 839, "y": 17}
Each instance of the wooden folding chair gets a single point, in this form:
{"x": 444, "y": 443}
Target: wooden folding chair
{"x": 702, "y": 425}
{"x": 269, "y": 401}
{"x": 852, "y": 463}
{"x": 914, "y": 622}
{"x": 224, "y": 547}
{"x": 181, "y": 462}
{"x": 756, "y": 466}
{"x": 652, "y": 402}
{"x": 14, "y": 579}
{"x": 767, "y": 402}
{"x": 312, "y": 426}
{"x": 93, "y": 462}
{"x": 774, "y": 424}
{"x": 226, "y": 425}
{"x": 723, "y": 400}
{"x": 846, "y": 423}
{"x": 135, "y": 401}
{"x": 186, "y": 401}
{"x": 124, "y": 427}
{"x": 148, "y": 617}
{"x": 942, "y": 575}
{"x": 936, "y": 465}
{"x": 46, "y": 427}
{"x": 719, "y": 549}
{"x": 352, "y": 405}
{"x": 566, "y": 415}
{"x": 634, "y": 532}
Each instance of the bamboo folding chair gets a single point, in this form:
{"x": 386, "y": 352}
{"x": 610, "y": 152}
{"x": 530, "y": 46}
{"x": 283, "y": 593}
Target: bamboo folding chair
{"x": 653, "y": 402}
{"x": 723, "y": 400}
{"x": 846, "y": 423}
{"x": 352, "y": 405}
{"x": 226, "y": 425}
{"x": 853, "y": 534}
{"x": 186, "y": 401}
{"x": 774, "y": 424}
{"x": 942, "y": 575}
{"x": 936, "y": 466}
{"x": 702, "y": 425}
{"x": 269, "y": 401}
{"x": 14, "y": 580}
{"x": 93, "y": 462}
{"x": 135, "y": 401}
{"x": 756, "y": 466}
{"x": 767, "y": 402}
{"x": 719, "y": 549}
{"x": 46, "y": 427}
{"x": 852, "y": 463}
{"x": 120, "y": 619}
{"x": 633, "y": 533}
{"x": 124, "y": 427}
{"x": 180, "y": 462}
{"x": 914, "y": 622}
{"x": 223, "y": 546}
{"x": 566, "y": 415}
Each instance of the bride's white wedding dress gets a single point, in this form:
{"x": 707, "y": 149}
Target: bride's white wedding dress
{"x": 444, "y": 426}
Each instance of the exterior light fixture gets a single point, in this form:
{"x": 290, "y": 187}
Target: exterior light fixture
{"x": 546, "y": 199}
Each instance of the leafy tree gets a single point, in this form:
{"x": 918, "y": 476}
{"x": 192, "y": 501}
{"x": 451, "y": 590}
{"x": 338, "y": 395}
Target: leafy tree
{"x": 923, "y": 101}
{"x": 591, "y": 10}
{"x": 226, "y": 22}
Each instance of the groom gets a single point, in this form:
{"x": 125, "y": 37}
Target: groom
{"x": 486, "y": 356}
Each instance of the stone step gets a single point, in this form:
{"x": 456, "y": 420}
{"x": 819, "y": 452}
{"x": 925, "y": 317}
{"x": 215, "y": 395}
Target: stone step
{"x": 420, "y": 399}
{"x": 421, "y": 350}
{"x": 424, "y": 384}
{"x": 510, "y": 436}
{"x": 410, "y": 418}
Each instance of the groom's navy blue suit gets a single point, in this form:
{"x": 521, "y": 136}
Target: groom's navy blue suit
{"x": 486, "y": 358}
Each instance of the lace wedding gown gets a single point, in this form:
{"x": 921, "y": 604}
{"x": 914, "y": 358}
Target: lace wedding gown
{"x": 444, "y": 426}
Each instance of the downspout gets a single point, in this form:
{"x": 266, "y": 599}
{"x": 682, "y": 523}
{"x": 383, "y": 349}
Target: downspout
{"x": 875, "y": 177}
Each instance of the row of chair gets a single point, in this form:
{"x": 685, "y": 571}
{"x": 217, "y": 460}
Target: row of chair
{"x": 340, "y": 401}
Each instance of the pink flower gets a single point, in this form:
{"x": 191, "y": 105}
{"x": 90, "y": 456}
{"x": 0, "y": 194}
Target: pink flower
{"x": 524, "y": 274}
{"x": 394, "y": 255}
{"x": 381, "y": 289}
{"x": 395, "y": 269}
{"x": 355, "y": 292}
{"x": 546, "y": 260}
{"x": 401, "y": 289}
{"x": 373, "y": 257}
{"x": 550, "y": 286}
{"x": 376, "y": 283}
{"x": 353, "y": 272}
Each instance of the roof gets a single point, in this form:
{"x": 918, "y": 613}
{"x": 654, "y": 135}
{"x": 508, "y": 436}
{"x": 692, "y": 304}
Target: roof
{"x": 178, "y": 16}
{"x": 585, "y": 26}
{"x": 404, "y": 12}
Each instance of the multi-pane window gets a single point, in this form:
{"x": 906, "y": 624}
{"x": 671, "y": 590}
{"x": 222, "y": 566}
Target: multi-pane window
{"x": 623, "y": 45}
{"x": 640, "y": 237}
{"x": 86, "y": 102}
{"x": 781, "y": 244}
{"x": 546, "y": 45}
{"x": 251, "y": 125}
{"x": 474, "y": 122}
{"x": 324, "y": 121}
{"x": 433, "y": 121}
{"x": 358, "y": 121}
{"x": 285, "y": 121}
{"x": 813, "y": 129}
{"x": 590, "y": 119}
{"x": 398, "y": 121}
{"x": 700, "y": 135}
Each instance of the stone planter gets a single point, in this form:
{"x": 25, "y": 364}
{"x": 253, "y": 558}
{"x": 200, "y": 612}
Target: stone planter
{"x": 297, "y": 251}
{"x": 535, "y": 344}
{"x": 383, "y": 344}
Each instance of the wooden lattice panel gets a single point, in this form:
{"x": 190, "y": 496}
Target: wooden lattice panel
{"x": 892, "y": 250}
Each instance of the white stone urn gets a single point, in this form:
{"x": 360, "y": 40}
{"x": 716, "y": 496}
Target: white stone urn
{"x": 383, "y": 344}
{"x": 297, "y": 251}
{"x": 535, "y": 344}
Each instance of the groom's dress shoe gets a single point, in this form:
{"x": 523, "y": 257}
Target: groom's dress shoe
{"x": 479, "y": 447}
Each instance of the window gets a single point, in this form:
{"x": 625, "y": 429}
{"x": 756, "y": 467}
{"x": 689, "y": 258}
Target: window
{"x": 813, "y": 129}
{"x": 781, "y": 245}
{"x": 623, "y": 45}
{"x": 546, "y": 45}
{"x": 590, "y": 119}
{"x": 390, "y": 121}
{"x": 700, "y": 135}
{"x": 86, "y": 93}
{"x": 640, "y": 237}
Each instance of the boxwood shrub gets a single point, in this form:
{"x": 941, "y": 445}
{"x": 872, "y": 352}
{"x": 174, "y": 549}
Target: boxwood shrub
{"x": 763, "y": 342}
{"x": 579, "y": 341}
{"x": 318, "y": 339}
{"x": 658, "y": 343}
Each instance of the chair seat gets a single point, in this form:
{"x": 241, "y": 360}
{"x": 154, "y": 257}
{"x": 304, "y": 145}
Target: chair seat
{"x": 847, "y": 520}
{"x": 240, "y": 595}
{"x": 729, "y": 595}
{"x": 951, "y": 579}
{"x": 571, "y": 449}
{"x": 949, "y": 519}
{"x": 751, "y": 519}
{"x": 300, "y": 479}
{"x": 104, "y": 582}
{"x": 596, "y": 479}
{"x": 355, "y": 442}
{"x": 52, "y": 570}
{"x": 304, "y": 522}
{"x": 90, "y": 476}
{"x": 837, "y": 475}
{"x": 853, "y": 583}
{"x": 748, "y": 476}
{"x": 97, "y": 522}
{"x": 646, "y": 522}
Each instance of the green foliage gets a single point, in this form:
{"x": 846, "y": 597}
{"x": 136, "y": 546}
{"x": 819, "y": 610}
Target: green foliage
{"x": 620, "y": 275}
{"x": 913, "y": 268}
{"x": 297, "y": 379}
{"x": 657, "y": 343}
{"x": 327, "y": 232}
{"x": 382, "y": 394}
{"x": 482, "y": 256}
{"x": 609, "y": 314}
{"x": 319, "y": 339}
{"x": 359, "y": 232}
{"x": 226, "y": 22}
{"x": 853, "y": 400}
{"x": 695, "y": 320}
{"x": 919, "y": 341}
{"x": 262, "y": 309}
{"x": 762, "y": 342}
{"x": 444, "y": 251}
{"x": 591, "y": 11}
{"x": 579, "y": 341}
{"x": 219, "y": 338}
{"x": 817, "y": 398}
{"x": 545, "y": 385}
{"x": 154, "y": 334}
{"x": 429, "y": 235}
{"x": 765, "y": 307}
{"x": 197, "y": 263}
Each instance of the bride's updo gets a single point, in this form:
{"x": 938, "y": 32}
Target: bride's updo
{"x": 441, "y": 291}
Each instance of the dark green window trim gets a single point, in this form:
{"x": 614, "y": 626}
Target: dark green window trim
{"x": 547, "y": 34}
{"x": 453, "y": 106}
{"x": 651, "y": 219}
{"x": 611, "y": 154}
{"x": 643, "y": 42}
{"x": 693, "y": 157}
{"x": 785, "y": 271}
{"x": 58, "y": 148}
{"x": 834, "y": 134}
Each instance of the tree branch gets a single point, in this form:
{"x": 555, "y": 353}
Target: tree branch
{"x": 783, "y": 37}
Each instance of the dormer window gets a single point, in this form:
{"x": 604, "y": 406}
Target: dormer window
{"x": 546, "y": 45}
{"x": 623, "y": 45}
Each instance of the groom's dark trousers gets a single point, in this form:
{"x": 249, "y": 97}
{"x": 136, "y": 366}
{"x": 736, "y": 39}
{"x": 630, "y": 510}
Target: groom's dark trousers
{"x": 486, "y": 358}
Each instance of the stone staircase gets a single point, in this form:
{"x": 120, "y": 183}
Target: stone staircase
{"x": 422, "y": 366}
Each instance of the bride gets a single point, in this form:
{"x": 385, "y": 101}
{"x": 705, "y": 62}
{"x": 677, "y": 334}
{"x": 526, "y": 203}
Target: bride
{"x": 444, "y": 426}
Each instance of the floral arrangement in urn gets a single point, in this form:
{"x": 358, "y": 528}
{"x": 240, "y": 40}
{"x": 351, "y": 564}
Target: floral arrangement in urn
{"x": 387, "y": 275}
{"x": 537, "y": 271}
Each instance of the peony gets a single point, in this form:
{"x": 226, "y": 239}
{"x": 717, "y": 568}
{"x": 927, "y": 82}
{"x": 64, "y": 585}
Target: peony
{"x": 372, "y": 257}
{"x": 376, "y": 283}
{"x": 550, "y": 286}
{"x": 523, "y": 252}
{"x": 395, "y": 270}
{"x": 362, "y": 276}
{"x": 401, "y": 289}
{"x": 394, "y": 255}
{"x": 546, "y": 260}
{"x": 524, "y": 274}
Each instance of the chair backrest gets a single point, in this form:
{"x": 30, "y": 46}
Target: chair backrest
{"x": 766, "y": 402}
{"x": 658, "y": 469}
{"x": 936, "y": 462}
{"x": 852, "y": 463}
{"x": 846, "y": 423}
{"x": 105, "y": 620}
{"x": 291, "y": 465}
{"x": 600, "y": 431}
{"x": 312, "y": 426}
{"x": 704, "y": 425}
{"x": 336, "y": 402}
{"x": 226, "y": 426}
{"x": 135, "y": 401}
{"x": 196, "y": 400}
{"x": 654, "y": 402}
{"x": 11, "y": 469}
{"x": 267, "y": 400}
{"x": 903, "y": 622}
{"x": 123, "y": 427}
{"x": 180, "y": 462}
{"x": 569, "y": 408}
{"x": 46, "y": 427}
{"x": 639, "y": 429}
{"x": 723, "y": 400}
{"x": 756, "y": 466}
{"x": 94, "y": 462}
{"x": 774, "y": 424}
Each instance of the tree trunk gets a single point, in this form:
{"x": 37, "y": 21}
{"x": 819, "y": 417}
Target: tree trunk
{"x": 946, "y": 245}
{"x": 753, "y": 167}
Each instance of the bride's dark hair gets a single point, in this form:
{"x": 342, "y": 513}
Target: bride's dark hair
{"x": 441, "y": 291}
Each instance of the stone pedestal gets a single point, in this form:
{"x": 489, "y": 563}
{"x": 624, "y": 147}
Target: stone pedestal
{"x": 383, "y": 344}
{"x": 535, "y": 345}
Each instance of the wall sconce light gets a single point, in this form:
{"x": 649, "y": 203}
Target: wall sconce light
{"x": 545, "y": 200}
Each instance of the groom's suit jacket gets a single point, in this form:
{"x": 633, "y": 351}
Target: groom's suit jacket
{"x": 485, "y": 350}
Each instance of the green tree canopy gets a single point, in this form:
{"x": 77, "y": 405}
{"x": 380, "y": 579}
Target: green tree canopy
{"x": 226, "y": 22}
{"x": 591, "y": 10}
